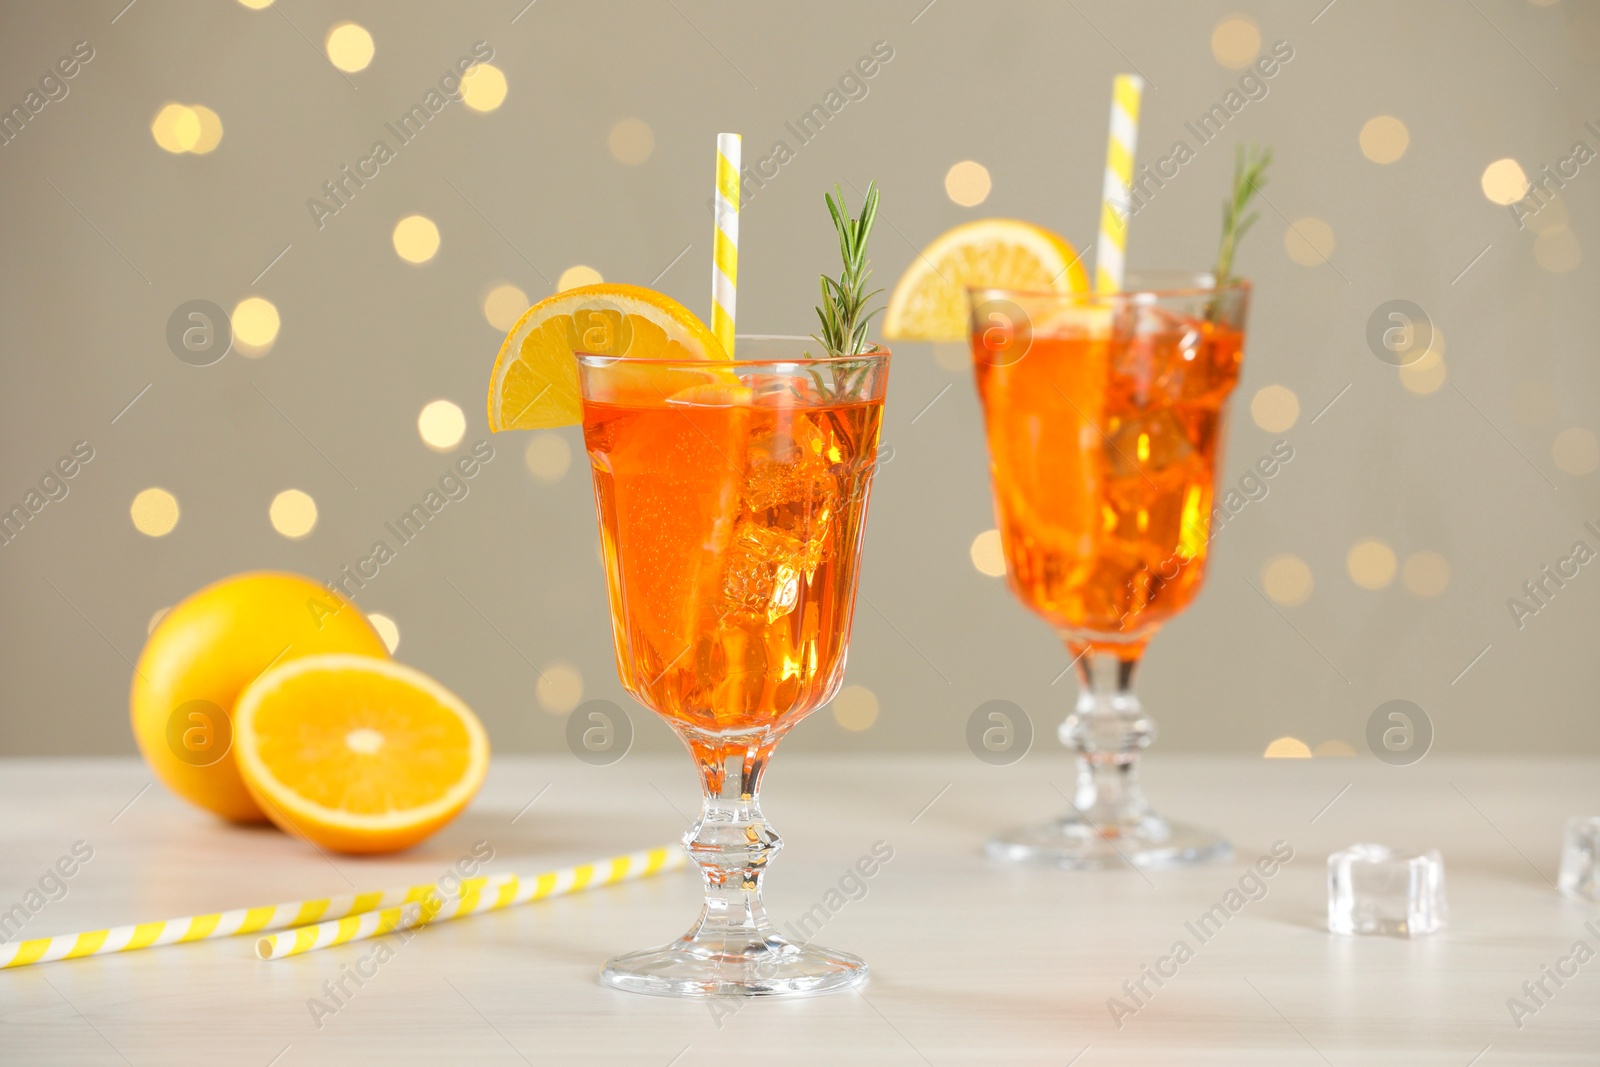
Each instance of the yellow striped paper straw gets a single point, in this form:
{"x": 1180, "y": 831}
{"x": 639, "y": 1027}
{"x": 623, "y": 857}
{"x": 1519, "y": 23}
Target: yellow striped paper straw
{"x": 216, "y": 924}
{"x": 725, "y": 255}
{"x": 501, "y": 894}
{"x": 1116, "y": 200}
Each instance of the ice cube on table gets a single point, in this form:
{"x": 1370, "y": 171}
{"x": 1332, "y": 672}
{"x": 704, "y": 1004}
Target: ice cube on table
{"x": 1373, "y": 889}
{"x": 1580, "y": 858}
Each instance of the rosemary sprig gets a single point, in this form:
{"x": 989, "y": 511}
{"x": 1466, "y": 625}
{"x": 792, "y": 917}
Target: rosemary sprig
{"x": 1249, "y": 176}
{"x": 843, "y": 313}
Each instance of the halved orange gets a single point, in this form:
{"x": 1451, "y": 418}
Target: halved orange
{"x": 930, "y": 300}
{"x": 357, "y": 754}
{"x": 534, "y": 384}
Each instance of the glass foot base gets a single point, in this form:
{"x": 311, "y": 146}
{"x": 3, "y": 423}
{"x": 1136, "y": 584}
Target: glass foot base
{"x": 1077, "y": 844}
{"x": 773, "y": 967}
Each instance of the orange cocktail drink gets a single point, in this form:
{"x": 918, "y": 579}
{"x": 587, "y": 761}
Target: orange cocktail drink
{"x": 732, "y": 497}
{"x": 1105, "y": 414}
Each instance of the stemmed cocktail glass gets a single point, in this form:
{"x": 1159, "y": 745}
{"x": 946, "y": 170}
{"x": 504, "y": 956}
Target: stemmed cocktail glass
{"x": 1105, "y": 417}
{"x": 732, "y": 498}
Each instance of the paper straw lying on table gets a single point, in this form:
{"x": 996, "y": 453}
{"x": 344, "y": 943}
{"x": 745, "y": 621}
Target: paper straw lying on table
{"x": 1116, "y": 197}
{"x": 502, "y": 893}
{"x": 225, "y": 924}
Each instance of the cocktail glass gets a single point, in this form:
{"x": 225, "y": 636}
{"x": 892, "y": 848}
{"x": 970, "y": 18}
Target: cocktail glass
{"x": 732, "y": 499}
{"x": 1105, "y": 416}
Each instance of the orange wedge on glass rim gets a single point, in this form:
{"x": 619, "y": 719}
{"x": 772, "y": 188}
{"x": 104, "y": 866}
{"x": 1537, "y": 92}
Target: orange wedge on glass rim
{"x": 929, "y": 302}
{"x": 357, "y": 754}
{"x": 534, "y": 384}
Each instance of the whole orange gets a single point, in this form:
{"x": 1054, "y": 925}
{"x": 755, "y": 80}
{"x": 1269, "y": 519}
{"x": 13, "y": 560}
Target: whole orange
{"x": 202, "y": 654}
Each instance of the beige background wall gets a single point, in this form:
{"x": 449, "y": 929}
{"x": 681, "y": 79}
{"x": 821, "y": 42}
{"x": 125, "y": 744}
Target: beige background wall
{"x": 104, "y": 234}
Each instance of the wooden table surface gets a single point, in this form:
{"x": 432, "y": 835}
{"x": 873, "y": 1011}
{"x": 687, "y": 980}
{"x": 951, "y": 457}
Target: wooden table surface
{"x": 972, "y": 963}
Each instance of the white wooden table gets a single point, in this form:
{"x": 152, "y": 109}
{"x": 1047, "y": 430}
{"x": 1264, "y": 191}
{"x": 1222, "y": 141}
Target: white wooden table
{"x": 972, "y": 963}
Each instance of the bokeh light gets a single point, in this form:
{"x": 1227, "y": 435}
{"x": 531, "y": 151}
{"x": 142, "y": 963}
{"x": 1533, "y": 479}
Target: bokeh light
{"x": 293, "y": 514}
{"x": 483, "y": 87}
{"x": 1371, "y": 563}
{"x": 349, "y": 47}
{"x": 1384, "y": 139}
{"x": 1287, "y": 580}
{"x": 631, "y": 141}
{"x": 1557, "y": 250}
{"x": 577, "y": 275}
{"x": 416, "y": 239}
{"x": 175, "y": 128}
{"x": 548, "y": 456}
{"x": 387, "y": 629}
{"x": 1235, "y": 42}
{"x": 1332, "y": 748}
{"x": 154, "y": 512}
{"x": 1287, "y": 748}
{"x": 967, "y": 183}
{"x": 1309, "y": 241}
{"x": 442, "y": 425}
{"x": 855, "y": 708}
{"x": 504, "y": 305}
{"x": 256, "y": 5}
{"x": 1425, "y": 574}
{"x": 1274, "y": 408}
{"x": 560, "y": 688}
{"x": 1504, "y": 182}
{"x": 1575, "y": 451}
{"x": 255, "y": 325}
{"x": 988, "y": 555}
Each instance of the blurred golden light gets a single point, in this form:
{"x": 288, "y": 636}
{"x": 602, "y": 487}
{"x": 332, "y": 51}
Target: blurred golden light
{"x": 1287, "y": 748}
{"x": 165, "y": 128}
{"x": 1384, "y": 139}
{"x": 967, "y": 183}
{"x": 1427, "y": 374}
{"x": 1236, "y": 42}
{"x": 988, "y": 555}
{"x": 349, "y": 47}
{"x": 483, "y": 87}
{"x": 293, "y": 514}
{"x": 1575, "y": 451}
{"x": 1274, "y": 408}
{"x": 1504, "y": 181}
{"x": 573, "y": 277}
{"x": 1287, "y": 580}
{"x": 504, "y": 305}
{"x": 548, "y": 455}
{"x": 560, "y": 688}
{"x": 256, "y": 5}
{"x": 155, "y": 619}
{"x": 387, "y": 629}
{"x": 209, "y": 134}
{"x": 1332, "y": 748}
{"x": 1557, "y": 250}
{"x": 631, "y": 142}
{"x": 1371, "y": 563}
{"x": 953, "y": 356}
{"x": 1309, "y": 241}
{"x": 416, "y": 238}
{"x": 855, "y": 708}
{"x": 255, "y": 325}
{"x": 154, "y": 511}
{"x": 442, "y": 424}
{"x": 1426, "y": 573}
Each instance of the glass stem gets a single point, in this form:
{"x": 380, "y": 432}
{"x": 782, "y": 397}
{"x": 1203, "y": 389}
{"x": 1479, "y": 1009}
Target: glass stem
{"x": 732, "y": 841}
{"x": 1108, "y": 729}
